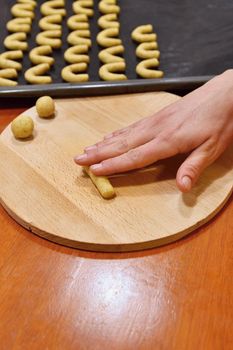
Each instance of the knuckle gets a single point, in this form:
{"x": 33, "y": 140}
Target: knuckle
{"x": 162, "y": 137}
{"x": 172, "y": 138}
{"x": 106, "y": 164}
{"x": 166, "y": 136}
{"x": 123, "y": 145}
{"x": 120, "y": 131}
{"x": 134, "y": 157}
{"x": 109, "y": 165}
{"x": 96, "y": 150}
{"x": 192, "y": 170}
{"x": 212, "y": 149}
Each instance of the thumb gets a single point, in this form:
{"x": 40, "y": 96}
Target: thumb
{"x": 193, "y": 166}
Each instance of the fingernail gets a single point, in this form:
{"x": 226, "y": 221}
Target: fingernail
{"x": 90, "y": 148}
{"x": 81, "y": 157}
{"x": 96, "y": 166}
{"x": 187, "y": 182}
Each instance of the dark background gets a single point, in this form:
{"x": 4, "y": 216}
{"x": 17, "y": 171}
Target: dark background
{"x": 195, "y": 37}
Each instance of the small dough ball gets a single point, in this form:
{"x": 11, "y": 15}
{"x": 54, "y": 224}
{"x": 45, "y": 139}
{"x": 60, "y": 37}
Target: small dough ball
{"x": 45, "y": 106}
{"x": 22, "y": 127}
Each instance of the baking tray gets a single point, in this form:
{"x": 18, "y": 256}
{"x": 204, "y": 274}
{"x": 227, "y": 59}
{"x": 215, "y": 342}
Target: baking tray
{"x": 195, "y": 40}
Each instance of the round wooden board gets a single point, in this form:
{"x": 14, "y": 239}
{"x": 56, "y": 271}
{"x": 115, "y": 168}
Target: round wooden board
{"x": 45, "y": 191}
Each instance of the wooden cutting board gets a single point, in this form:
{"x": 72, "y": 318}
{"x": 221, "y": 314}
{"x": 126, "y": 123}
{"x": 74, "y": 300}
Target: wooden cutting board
{"x": 45, "y": 191}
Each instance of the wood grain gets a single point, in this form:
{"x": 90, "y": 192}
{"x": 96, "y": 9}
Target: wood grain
{"x": 45, "y": 191}
{"x": 179, "y": 296}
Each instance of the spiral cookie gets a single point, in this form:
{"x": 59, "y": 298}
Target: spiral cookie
{"x": 23, "y": 10}
{"x": 107, "y": 7}
{"x": 109, "y": 71}
{"x": 84, "y": 7}
{"x": 109, "y": 55}
{"x": 148, "y": 50}
{"x": 34, "y": 75}
{"x": 108, "y": 21}
{"x": 21, "y": 24}
{"x": 145, "y": 69}
{"x": 53, "y": 7}
{"x": 40, "y": 55}
{"x": 105, "y": 38}
{"x": 77, "y": 54}
{"x": 144, "y": 33}
{"x": 51, "y": 22}
{"x": 8, "y": 59}
{"x": 79, "y": 37}
{"x": 16, "y": 41}
{"x": 50, "y": 37}
{"x": 73, "y": 73}
{"x": 79, "y": 21}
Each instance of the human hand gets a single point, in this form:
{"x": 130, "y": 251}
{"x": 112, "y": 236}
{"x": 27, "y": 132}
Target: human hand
{"x": 200, "y": 123}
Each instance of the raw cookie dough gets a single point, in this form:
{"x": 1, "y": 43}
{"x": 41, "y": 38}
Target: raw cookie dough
{"x": 108, "y": 21}
{"x": 23, "y": 10}
{"x": 34, "y": 75}
{"x": 21, "y": 24}
{"x": 145, "y": 69}
{"x": 102, "y": 184}
{"x": 79, "y": 21}
{"x": 73, "y": 73}
{"x": 53, "y": 7}
{"x": 7, "y": 82}
{"x": 22, "y": 127}
{"x": 144, "y": 33}
{"x": 107, "y": 7}
{"x": 40, "y": 55}
{"x": 78, "y": 37}
{"x": 8, "y": 73}
{"x": 51, "y": 22}
{"x": 105, "y": 38}
{"x": 76, "y": 54}
{"x": 50, "y": 37}
{"x": 84, "y": 7}
{"x": 16, "y": 41}
{"x": 148, "y": 50}
{"x": 45, "y": 107}
{"x": 109, "y": 55}
{"x": 8, "y": 59}
{"x": 109, "y": 71}
{"x": 6, "y": 76}
{"x": 31, "y": 2}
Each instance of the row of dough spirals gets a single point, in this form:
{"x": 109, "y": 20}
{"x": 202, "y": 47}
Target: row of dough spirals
{"x": 77, "y": 55}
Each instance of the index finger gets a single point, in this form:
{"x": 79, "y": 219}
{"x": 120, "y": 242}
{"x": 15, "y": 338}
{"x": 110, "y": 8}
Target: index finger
{"x": 136, "y": 158}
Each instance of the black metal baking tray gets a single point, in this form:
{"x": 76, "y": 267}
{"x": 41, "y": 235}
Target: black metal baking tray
{"x": 195, "y": 40}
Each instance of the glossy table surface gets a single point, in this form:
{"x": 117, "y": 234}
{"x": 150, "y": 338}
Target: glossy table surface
{"x": 175, "y": 297}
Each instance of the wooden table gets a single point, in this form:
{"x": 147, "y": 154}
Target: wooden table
{"x": 176, "y": 297}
